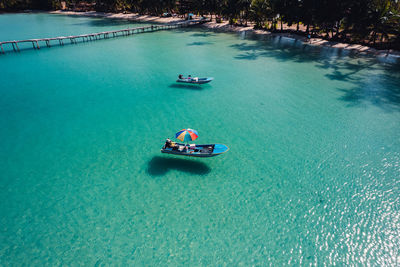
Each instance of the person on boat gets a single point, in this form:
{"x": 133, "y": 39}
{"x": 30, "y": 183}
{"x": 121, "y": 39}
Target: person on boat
{"x": 189, "y": 77}
{"x": 180, "y": 76}
{"x": 169, "y": 143}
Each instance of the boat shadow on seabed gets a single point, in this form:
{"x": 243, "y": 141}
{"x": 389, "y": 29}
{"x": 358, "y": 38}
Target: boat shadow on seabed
{"x": 160, "y": 166}
{"x": 186, "y": 86}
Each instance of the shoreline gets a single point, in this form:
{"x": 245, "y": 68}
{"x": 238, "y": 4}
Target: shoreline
{"x": 130, "y": 16}
{"x": 225, "y": 27}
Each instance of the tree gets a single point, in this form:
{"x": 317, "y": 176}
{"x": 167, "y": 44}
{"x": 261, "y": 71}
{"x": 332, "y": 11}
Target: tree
{"x": 383, "y": 17}
{"x": 232, "y": 9}
{"x": 260, "y": 11}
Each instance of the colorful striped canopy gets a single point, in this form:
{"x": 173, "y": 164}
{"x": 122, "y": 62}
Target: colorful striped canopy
{"x": 186, "y": 135}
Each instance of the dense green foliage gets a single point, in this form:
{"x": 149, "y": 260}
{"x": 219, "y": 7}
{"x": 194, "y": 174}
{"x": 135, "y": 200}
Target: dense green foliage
{"x": 376, "y": 22}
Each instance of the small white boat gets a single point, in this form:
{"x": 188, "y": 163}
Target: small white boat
{"x": 194, "y": 80}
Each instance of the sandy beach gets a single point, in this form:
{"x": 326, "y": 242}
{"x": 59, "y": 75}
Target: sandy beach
{"x": 129, "y": 16}
{"x": 224, "y": 26}
{"x": 313, "y": 41}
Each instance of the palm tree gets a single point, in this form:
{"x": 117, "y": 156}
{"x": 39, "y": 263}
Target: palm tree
{"x": 260, "y": 10}
{"x": 383, "y": 17}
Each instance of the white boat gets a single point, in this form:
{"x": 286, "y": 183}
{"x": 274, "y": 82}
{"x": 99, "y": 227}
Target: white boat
{"x": 194, "y": 80}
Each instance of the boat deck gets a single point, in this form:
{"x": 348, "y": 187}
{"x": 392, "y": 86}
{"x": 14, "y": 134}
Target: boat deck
{"x": 209, "y": 150}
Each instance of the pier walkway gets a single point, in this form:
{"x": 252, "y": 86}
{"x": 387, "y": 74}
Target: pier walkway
{"x": 96, "y": 36}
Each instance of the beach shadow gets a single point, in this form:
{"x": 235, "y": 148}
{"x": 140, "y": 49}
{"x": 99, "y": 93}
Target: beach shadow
{"x": 385, "y": 95}
{"x": 274, "y": 47}
{"x": 199, "y": 43}
{"x": 158, "y": 166}
{"x": 248, "y": 47}
{"x": 204, "y": 34}
{"x": 384, "y": 92}
{"x": 358, "y": 70}
{"x": 186, "y": 86}
{"x": 96, "y": 22}
{"x": 248, "y": 56}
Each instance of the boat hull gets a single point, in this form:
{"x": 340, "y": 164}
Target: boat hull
{"x": 188, "y": 154}
{"x": 200, "y": 151}
{"x": 193, "y": 81}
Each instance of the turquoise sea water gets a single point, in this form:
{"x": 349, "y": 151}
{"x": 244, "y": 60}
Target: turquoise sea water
{"x": 312, "y": 176}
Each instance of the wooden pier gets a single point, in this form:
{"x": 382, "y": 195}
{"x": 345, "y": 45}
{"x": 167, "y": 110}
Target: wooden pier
{"x": 96, "y": 36}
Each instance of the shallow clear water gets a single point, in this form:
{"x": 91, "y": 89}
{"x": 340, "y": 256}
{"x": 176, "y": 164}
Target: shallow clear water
{"x": 312, "y": 176}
